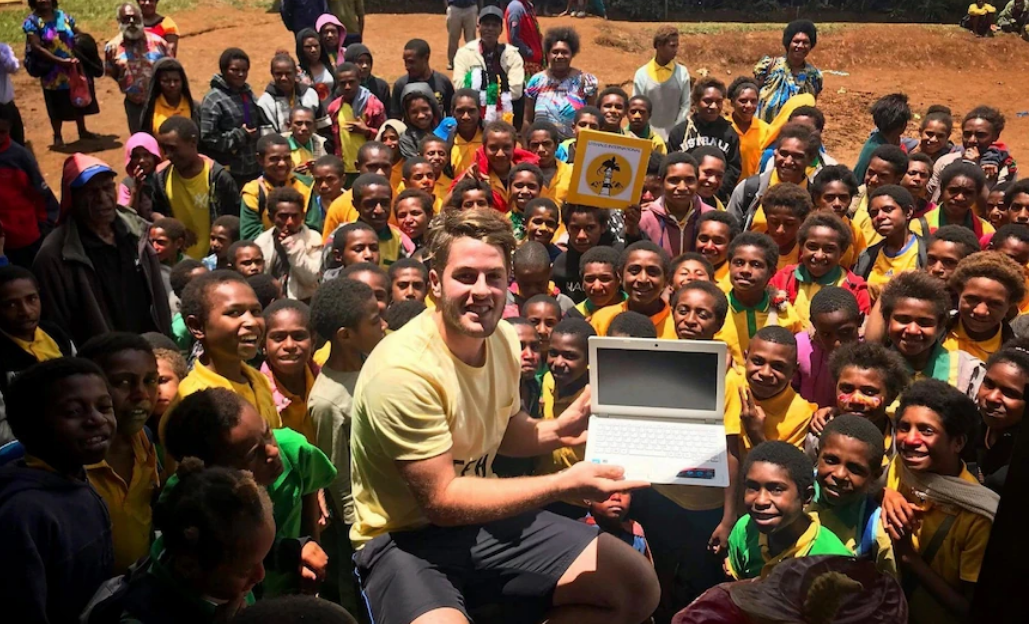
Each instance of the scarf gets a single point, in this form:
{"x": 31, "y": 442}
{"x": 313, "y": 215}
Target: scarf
{"x": 966, "y": 495}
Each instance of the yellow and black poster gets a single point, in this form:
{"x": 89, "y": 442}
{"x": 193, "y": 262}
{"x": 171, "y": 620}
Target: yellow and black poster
{"x": 609, "y": 170}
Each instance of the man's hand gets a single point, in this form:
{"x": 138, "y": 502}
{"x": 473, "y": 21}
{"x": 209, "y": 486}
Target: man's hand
{"x": 572, "y": 424}
{"x": 752, "y": 417}
{"x": 323, "y": 510}
{"x": 313, "y": 561}
{"x": 595, "y": 482}
{"x": 631, "y": 217}
{"x": 718, "y": 543}
{"x": 822, "y": 416}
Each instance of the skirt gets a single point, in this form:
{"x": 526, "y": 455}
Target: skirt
{"x": 59, "y": 104}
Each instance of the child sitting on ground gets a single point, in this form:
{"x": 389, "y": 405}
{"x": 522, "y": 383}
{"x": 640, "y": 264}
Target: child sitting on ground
{"x": 770, "y": 409}
{"x": 836, "y": 321}
{"x": 61, "y": 412}
{"x": 225, "y": 230}
{"x": 778, "y": 484}
{"x": 611, "y": 516}
{"x": 288, "y": 345}
{"x": 128, "y": 476}
{"x": 988, "y": 284}
{"x": 934, "y": 506}
{"x": 847, "y": 469}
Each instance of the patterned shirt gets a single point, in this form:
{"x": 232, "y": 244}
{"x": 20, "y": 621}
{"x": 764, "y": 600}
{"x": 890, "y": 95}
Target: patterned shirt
{"x": 131, "y": 63}
{"x": 57, "y": 36}
{"x": 557, "y": 100}
{"x": 779, "y": 84}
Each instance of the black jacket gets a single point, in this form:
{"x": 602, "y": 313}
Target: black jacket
{"x": 687, "y": 135}
{"x": 56, "y": 547}
{"x": 223, "y": 196}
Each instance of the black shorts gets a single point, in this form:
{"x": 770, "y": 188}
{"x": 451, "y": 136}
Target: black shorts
{"x": 516, "y": 561}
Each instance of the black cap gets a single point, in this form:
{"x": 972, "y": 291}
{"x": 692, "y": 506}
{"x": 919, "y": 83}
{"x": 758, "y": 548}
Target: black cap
{"x": 491, "y": 11}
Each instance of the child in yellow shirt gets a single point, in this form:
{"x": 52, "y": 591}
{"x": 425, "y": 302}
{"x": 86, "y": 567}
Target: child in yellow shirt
{"x": 899, "y": 250}
{"x": 988, "y": 284}
{"x": 542, "y": 140}
{"x": 833, "y": 190}
{"x": 644, "y": 267}
{"x": 715, "y": 230}
{"x": 288, "y": 347}
{"x": 770, "y": 409}
{"x": 564, "y": 381}
{"x": 786, "y": 206}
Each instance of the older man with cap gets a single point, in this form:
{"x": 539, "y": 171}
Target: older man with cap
{"x": 97, "y": 271}
{"x": 483, "y": 62}
{"x": 129, "y": 58}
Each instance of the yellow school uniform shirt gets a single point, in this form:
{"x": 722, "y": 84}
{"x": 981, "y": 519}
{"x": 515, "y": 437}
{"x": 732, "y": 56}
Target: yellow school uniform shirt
{"x": 786, "y": 418}
{"x": 322, "y": 355}
{"x": 300, "y": 154}
{"x": 42, "y": 346}
{"x": 960, "y": 555}
{"x": 981, "y": 10}
{"x": 295, "y": 415}
{"x": 697, "y": 498}
{"x": 558, "y": 189}
{"x": 934, "y": 220}
{"x": 129, "y": 503}
{"x": 791, "y": 257}
{"x": 758, "y": 222}
{"x": 396, "y": 175}
{"x": 660, "y": 73}
{"x": 415, "y": 401}
{"x": 251, "y": 194}
{"x": 390, "y": 246}
{"x": 350, "y": 142}
{"x": 163, "y": 110}
{"x": 857, "y": 246}
{"x": 722, "y": 278}
{"x": 753, "y": 142}
{"x": 885, "y": 267}
{"x": 552, "y": 405}
{"x": 958, "y": 340}
{"x": 190, "y": 201}
{"x": 340, "y": 211}
{"x": 743, "y": 322}
{"x": 257, "y": 391}
{"x": 662, "y": 321}
{"x": 463, "y": 153}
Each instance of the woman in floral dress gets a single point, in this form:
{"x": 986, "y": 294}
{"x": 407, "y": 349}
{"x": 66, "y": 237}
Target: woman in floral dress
{"x": 783, "y": 77}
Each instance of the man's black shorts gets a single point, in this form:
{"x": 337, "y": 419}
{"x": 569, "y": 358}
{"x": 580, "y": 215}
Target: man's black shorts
{"x": 516, "y": 563}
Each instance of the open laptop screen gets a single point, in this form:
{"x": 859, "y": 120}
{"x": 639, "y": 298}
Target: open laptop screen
{"x": 657, "y": 379}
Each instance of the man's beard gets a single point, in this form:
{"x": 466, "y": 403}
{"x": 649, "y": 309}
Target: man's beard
{"x": 453, "y": 309}
{"x": 132, "y": 31}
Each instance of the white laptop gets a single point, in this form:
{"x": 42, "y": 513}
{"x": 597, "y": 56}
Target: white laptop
{"x": 658, "y": 409}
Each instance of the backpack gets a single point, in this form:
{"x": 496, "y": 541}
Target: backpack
{"x": 866, "y": 260}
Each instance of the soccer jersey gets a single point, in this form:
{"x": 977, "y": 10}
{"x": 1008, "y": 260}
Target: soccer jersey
{"x": 886, "y": 266}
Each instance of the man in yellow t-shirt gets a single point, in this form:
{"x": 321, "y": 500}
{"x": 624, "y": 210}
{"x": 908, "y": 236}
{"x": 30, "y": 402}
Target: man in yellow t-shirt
{"x": 434, "y": 404}
{"x": 770, "y": 409}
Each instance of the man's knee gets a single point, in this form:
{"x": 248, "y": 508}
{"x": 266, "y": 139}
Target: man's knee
{"x": 611, "y": 574}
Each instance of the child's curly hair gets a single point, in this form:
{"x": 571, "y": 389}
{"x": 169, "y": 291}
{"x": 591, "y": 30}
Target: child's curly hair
{"x": 992, "y": 265}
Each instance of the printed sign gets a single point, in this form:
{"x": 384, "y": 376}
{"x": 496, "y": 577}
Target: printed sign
{"x": 609, "y": 170}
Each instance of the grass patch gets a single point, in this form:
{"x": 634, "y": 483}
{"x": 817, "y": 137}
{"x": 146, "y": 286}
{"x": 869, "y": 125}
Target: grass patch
{"x": 97, "y": 16}
{"x": 718, "y": 28}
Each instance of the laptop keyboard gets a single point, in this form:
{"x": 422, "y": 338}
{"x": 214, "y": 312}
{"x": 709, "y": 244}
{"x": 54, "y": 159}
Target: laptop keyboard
{"x": 651, "y": 438}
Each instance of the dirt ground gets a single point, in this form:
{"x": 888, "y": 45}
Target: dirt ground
{"x": 932, "y": 64}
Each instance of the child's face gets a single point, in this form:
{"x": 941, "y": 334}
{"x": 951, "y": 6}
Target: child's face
{"x": 167, "y": 386}
{"x": 600, "y": 283}
{"x": 745, "y": 104}
{"x": 769, "y": 367}
{"x": 364, "y": 64}
{"x": 644, "y": 278}
{"x": 374, "y": 205}
{"x": 913, "y": 327}
{"x": 586, "y": 122}
{"x": 436, "y": 153}
{"x": 1001, "y": 397}
{"x": 171, "y": 84}
{"x": 836, "y": 196}
{"x": 1016, "y": 249}
{"x": 790, "y": 160}
{"x": 420, "y": 114}
{"x": 978, "y": 133}
{"x": 916, "y": 178}
{"x": 879, "y": 173}
{"x": 347, "y": 85}
{"x": 862, "y": 391}
{"x": 20, "y": 309}
{"x": 221, "y": 238}
{"x": 167, "y": 248}
{"x": 922, "y": 441}
{"x": 133, "y": 378}
{"x": 821, "y": 251}
{"x": 613, "y": 510}
{"x": 942, "y": 257}
{"x": 370, "y": 329}
{"x": 567, "y": 358}
{"x": 888, "y": 216}
{"x": 584, "y": 231}
{"x": 541, "y": 144}
{"x": 712, "y": 241}
{"x": 1019, "y": 209}
{"x": 652, "y": 188}
{"x": 711, "y": 171}
{"x": 544, "y": 316}
{"x": 934, "y": 137}
{"x": 997, "y": 213}
{"x": 783, "y": 227}
{"x": 613, "y": 109}
{"x": 749, "y": 272}
{"x": 533, "y": 281}
{"x": 529, "y": 354}
{"x": 412, "y": 217}
{"x": 638, "y": 115}
{"x": 288, "y": 343}
{"x": 466, "y": 113}
{"x": 380, "y": 286}
{"x": 302, "y": 125}
{"x": 141, "y": 159}
{"x": 391, "y": 139}
{"x": 959, "y": 196}
{"x": 982, "y": 305}
{"x": 361, "y": 246}
{"x": 328, "y": 183}
{"x": 284, "y": 76}
{"x": 842, "y": 469}
{"x": 243, "y": 566}
{"x": 80, "y": 419}
{"x": 541, "y": 224}
{"x": 680, "y": 186}
{"x": 249, "y": 261}
{"x": 499, "y": 148}
{"x": 833, "y": 329}
{"x": 422, "y": 177}
{"x": 772, "y": 497}
{"x": 409, "y": 285}
{"x": 688, "y": 271}
{"x": 524, "y": 187}
{"x": 277, "y": 163}
{"x": 234, "y": 325}
{"x": 709, "y": 107}
{"x": 288, "y": 218}
{"x": 474, "y": 198}
{"x": 694, "y": 314}
{"x": 251, "y": 446}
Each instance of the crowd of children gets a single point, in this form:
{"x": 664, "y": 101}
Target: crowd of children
{"x": 181, "y": 358}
